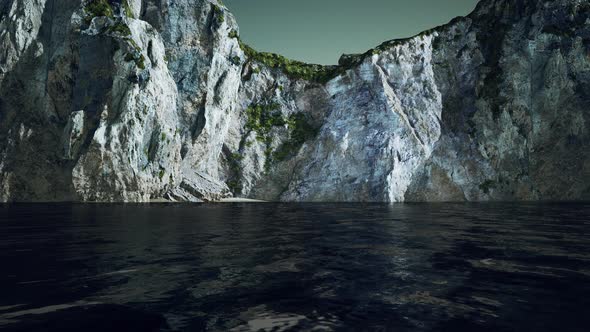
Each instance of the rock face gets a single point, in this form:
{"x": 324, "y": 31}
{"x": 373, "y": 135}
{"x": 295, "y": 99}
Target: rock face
{"x": 129, "y": 100}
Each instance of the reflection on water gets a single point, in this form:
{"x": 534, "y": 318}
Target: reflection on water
{"x": 296, "y": 267}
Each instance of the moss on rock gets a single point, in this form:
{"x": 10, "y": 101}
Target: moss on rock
{"x": 127, "y": 8}
{"x": 300, "y": 131}
{"x": 233, "y": 34}
{"x": 234, "y": 182}
{"x": 97, "y": 8}
{"x": 219, "y": 13}
{"x": 292, "y": 68}
{"x": 486, "y": 186}
{"x": 261, "y": 118}
{"x": 121, "y": 28}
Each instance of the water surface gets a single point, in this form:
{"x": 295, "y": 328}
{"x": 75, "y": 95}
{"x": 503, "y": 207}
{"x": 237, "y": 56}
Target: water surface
{"x": 295, "y": 267}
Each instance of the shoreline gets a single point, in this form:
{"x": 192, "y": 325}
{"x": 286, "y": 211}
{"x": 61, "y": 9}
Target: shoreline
{"x": 239, "y": 200}
{"x": 223, "y": 200}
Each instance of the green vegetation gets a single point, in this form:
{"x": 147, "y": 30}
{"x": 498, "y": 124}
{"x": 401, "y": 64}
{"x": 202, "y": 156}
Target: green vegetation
{"x": 486, "y": 186}
{"x": 134, "y": 44}
{"x": 219, "y": 14}
{"x": 140, "y": 63}
{"x": 233, "y": 34}
{"x": 139, "y": 59}
{"x": 235, "y": 168}
{"x": 136, "y": 56}
{"x": 291, "y": 68}
{"x": 350, "y": 60}
{"x": 235, "y": 186}
{"x": 163, "y": 137}
{"x": 235, "y": 60}
{"x": 161, "y": 174}
{"x": 121, "y": 28}
{"x": 301, "y": 131}
{"x": 127, "y": 8}
{"x": 318, "y": 73}
{"x": 97, "y": 8}
{"x": 263, "y": 117}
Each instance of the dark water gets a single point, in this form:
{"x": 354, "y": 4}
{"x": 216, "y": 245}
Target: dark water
{"x": 273, "y": 267}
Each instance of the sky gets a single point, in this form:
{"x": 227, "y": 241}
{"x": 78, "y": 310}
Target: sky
{"x": 319, "y": 31}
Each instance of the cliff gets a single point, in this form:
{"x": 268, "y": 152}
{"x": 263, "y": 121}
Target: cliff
{"x": 133, "y": 100}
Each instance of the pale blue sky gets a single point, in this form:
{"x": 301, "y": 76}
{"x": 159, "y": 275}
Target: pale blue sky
{"x": 319, "y": 31}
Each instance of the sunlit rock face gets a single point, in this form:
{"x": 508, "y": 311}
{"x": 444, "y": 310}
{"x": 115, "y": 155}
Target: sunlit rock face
{"x": 128, "y": 100}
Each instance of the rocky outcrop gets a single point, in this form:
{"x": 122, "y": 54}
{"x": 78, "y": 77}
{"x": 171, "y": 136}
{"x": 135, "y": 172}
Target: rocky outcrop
{"x": 128, "y": 100}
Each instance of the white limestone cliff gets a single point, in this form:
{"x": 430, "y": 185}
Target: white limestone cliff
{"x": 142, "y": 100}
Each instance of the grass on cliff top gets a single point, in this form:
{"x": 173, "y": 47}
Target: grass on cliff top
{"x": 292, "y": 68}
{"x": 319, "y": 73}
{"x": 219, "y": 14}
{"x": 350, "y": 60}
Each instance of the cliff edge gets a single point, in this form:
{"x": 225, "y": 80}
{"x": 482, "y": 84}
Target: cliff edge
{"x": 134, "y": 100}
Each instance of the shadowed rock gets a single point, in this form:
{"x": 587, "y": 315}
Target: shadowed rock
{"x": 150, "y": 100}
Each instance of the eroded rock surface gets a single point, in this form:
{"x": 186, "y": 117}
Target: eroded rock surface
{"x": 128, "y": 100}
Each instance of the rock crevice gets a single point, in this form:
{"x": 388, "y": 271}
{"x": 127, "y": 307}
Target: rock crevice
{"x": 135, "y": 100}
